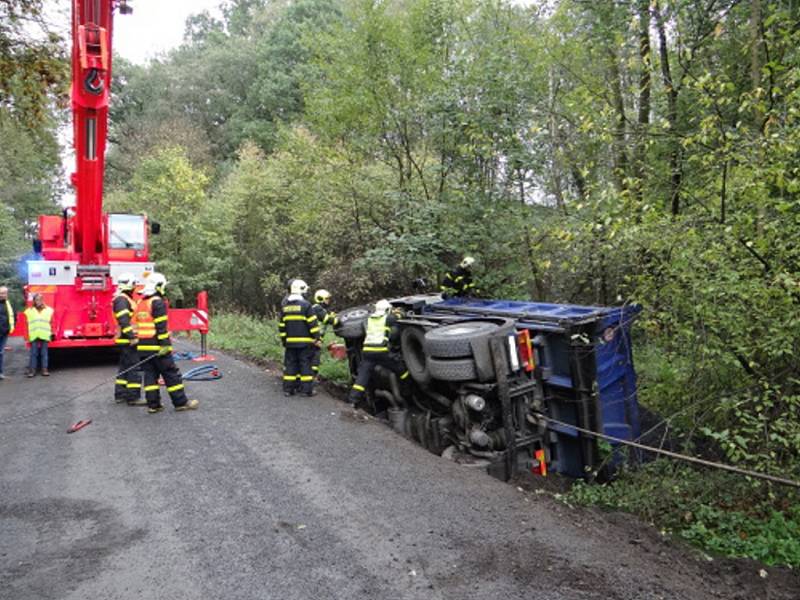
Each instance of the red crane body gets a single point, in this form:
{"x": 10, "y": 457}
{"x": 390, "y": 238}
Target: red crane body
{"x": 84, "y": 250}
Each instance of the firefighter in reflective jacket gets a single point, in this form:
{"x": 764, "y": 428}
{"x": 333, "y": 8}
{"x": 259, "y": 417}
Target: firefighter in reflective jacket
{"x": 299, "y": 333}
{"x": 128, "y": 386}
{"x": 458, "y": 282}
{"x": 326, "y": 318}
{"x": 379, "y": 349}
{"x": 150, "y": 325}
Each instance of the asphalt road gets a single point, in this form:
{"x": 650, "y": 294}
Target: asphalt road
{"x": 256, "y": 496}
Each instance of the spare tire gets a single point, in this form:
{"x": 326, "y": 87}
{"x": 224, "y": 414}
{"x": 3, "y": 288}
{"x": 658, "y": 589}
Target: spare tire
{"x": 458, "y": 369}
{"x": 412, "y": 345}
{"x": 352, "y": 322}
{"x": 455, "y": 341}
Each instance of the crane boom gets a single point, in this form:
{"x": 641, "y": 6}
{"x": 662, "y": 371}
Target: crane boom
{"x": 92, "y": 28}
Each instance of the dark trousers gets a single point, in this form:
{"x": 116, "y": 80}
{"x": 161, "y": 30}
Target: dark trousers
{"x": 38, "y": 354}
{"x": 370, "y": 360}
{"x": 297, "y": 372}
{"x": 165, "y": 367}
{"x": 316, "y": 358}
{"x": 3, "y": 338}
{"x": 128, "y": 387}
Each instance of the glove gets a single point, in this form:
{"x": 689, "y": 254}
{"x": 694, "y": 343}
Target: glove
{"x": 318, "y": 343}
{"x": 134, "y": 341}
{"x": 164, "y": 350}
{"x": 53, "y": 337}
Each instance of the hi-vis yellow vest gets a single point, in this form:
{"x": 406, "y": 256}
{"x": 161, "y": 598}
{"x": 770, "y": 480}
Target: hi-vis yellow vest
{"x": 377, "y": 339}
{"x": 10, "y": 312}
{"x": 39, "y": 323}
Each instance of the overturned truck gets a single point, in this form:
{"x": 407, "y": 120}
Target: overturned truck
{"x": 507, "y": 384}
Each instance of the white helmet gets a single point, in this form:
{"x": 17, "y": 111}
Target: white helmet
{"x": 155, "y": 282}
{"x": 126, "y": 282}
{"x": 322, "y": 296}
{"x": 467, "y": 262}
{"x": 298, "y": 286}
{"x": 382, "y": 307}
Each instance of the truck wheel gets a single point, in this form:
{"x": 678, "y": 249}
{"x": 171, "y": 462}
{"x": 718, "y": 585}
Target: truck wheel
{"x": 458, "y": 369}
{"x": 455, "y": 341}
{"x": 412, "y": 345}
{"x": 352, "y": 323}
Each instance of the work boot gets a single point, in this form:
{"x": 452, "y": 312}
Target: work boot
{"x": 45, "y": 373}
{"x": 137, "y": 402}
{"x": 155, "y": 409}
{"x": 192, "y": 404}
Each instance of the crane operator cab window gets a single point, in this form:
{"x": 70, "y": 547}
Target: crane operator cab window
{"x": 126, "y": 232}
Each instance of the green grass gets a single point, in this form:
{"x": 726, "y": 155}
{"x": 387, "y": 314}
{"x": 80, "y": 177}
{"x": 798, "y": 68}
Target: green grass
{"x": 257, "y": 338}
{"x": 718, "y": 512}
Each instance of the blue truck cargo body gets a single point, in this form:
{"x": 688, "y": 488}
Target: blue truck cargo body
{"x": 605, "y": 371}
{"x": 504, "y": 410}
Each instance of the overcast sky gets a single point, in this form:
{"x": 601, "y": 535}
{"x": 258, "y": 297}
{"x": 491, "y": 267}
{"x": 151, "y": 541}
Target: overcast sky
{"x": 154, "y": 26}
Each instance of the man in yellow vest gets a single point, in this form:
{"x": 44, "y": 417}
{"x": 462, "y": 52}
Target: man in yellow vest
{"x": 6, "y": 323}
{"x": 380, "y": 348}
{"x": 40, "y": 331}
{"x": 150, "y": 326}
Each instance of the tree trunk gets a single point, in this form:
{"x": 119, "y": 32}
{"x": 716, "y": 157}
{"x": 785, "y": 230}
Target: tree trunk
{"x": 620, "y": 156}
{"x": 676, "y": 153}
{"x": 643, "y": 122}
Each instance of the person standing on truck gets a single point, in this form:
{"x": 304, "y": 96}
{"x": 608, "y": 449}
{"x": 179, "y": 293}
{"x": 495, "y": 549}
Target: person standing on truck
{"x": 40, "y": 332}
{"x": 458, "y": 282}
{"x": 6, "y": 323}
{"x": 326, "y": 318}
{"x": 128, "y": 387}
{"x": 155, "y": 348}
{"x": 380, "y": 348}
{"x": 299, "y": 333}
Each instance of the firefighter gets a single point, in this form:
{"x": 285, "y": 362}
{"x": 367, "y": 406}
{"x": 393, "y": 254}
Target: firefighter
{"x": 150, "y": 326}
{"x": 128, "y": 386}
{"x": 299, "y": 333}
{"x": 458, "y": 282}
{"x": 326, "y": 318}
{"x": 380, "y": 348}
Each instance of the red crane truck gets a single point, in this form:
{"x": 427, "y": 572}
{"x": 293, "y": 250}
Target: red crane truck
{"x": 82, "y": 251}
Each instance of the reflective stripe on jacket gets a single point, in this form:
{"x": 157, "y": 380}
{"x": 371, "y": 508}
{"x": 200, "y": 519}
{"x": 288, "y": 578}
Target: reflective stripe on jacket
{"x": 123, "y": 314}
{"x": 298, "y": 325}
{"x": 39, "y": 323}
{"x": 143, "y": 323}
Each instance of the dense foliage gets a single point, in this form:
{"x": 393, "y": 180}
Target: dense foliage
{"x": 595, "y": 152}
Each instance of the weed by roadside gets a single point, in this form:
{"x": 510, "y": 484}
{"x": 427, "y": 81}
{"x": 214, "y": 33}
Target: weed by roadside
{"x": 716, "y": 511}
{"x": 257, "y": 338}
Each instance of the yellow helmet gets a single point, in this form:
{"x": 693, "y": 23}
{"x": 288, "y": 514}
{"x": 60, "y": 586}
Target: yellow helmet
{"x": 322, "y": 296}
{"x": 467, "y": 262}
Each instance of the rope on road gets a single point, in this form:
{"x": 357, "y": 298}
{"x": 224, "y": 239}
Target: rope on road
{"x": 675, "y": 455}
{"x": 32, "y": 413}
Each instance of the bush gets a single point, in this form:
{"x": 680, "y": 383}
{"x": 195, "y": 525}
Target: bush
{"x": 716, "y": 511}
